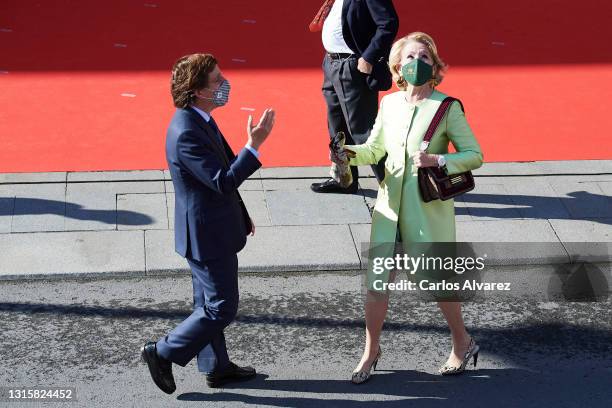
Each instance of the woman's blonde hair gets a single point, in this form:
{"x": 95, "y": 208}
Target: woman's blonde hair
{"x": 439, "y": 66}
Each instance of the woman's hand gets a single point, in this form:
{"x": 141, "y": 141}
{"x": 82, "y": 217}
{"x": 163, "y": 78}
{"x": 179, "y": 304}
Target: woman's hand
{"x": 349, "y": 153}
{"x": 422, "y": 159}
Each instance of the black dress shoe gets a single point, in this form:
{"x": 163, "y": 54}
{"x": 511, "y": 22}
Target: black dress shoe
{"x": 160, "y": 368}
{"x": 332, "y": 186}
{"x": 230, "y": 374}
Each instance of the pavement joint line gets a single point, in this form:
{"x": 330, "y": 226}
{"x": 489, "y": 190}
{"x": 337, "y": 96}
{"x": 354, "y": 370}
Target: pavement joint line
{"x": 301, "y": 178}
{"x": 168, "y": 229}
{"x": 81, "y": 182}
{"x": 542, "y": 175}
{"x": 167, "y": 209}
{"x": 288, "y": 178}
{"x": 583, "y": 218}
{"x": 116, "y": 212}
{"x": 144, "y": 249}
{"x": 65, "y": 203}
{"x": 148, "y": 180}
{"x": 164, "y": 273}
{"x": 140, "y": 193}
{"x": 268, "y": 214}
{"x": 355, "y": 245}
{"x": 569, "y": 256}
{"x": 13, "y": 214}
{"x": 243, "y": 271}
{"x": 64, "y": 277}
{"x": 78, "y": 230}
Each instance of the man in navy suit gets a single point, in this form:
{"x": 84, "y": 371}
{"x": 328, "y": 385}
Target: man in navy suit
{"x": 357, "y": 36}
{"x": 211, "y": 221}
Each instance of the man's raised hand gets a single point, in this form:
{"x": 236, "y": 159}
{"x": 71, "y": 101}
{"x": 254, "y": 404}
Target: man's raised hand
{"x": 259, "y": 133}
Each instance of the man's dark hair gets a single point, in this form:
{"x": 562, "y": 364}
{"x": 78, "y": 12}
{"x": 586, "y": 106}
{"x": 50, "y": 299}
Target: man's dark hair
{"x": 189, "y": 74}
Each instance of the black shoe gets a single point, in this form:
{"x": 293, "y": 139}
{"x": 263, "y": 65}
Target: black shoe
{"x": 160, "y": 368}
{"x": 332, "y": 186}
{"x": 230, "y": 374}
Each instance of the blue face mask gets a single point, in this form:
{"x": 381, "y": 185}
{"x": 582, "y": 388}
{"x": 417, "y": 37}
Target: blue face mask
{"x": 221, "y": 94}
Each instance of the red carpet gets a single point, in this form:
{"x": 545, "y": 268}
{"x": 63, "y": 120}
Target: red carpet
{"x": 85, "y": 84}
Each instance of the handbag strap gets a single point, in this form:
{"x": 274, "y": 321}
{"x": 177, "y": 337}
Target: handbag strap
{"x": 435, "y": 122}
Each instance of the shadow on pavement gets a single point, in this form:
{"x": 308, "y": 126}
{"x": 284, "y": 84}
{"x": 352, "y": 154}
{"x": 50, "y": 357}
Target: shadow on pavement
{"x": 564, "y": 340}
{"x": 401, "y": 388}
{"x": 39, "y": 206}
{"x": 524, "y": 206}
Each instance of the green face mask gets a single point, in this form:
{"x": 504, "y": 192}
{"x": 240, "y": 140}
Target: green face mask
{"x": 417, "y": 72}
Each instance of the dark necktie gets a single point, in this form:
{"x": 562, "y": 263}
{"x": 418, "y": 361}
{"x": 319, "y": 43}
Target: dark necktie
{"x": 217, "y": 132}
{"x": 213, "y": 124}
{"x": 317, "y": 22}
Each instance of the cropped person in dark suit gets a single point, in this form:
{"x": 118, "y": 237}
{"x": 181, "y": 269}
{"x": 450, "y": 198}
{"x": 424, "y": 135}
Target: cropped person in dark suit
{"x": 357, "y": 36}
{"x": 211, "y": 221}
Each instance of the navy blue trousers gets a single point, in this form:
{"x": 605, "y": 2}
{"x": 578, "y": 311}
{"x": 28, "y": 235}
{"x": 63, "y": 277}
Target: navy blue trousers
{"x": 215, "y": 304}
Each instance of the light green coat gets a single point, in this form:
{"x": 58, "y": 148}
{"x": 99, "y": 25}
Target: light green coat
{"x": 398, "y": 131}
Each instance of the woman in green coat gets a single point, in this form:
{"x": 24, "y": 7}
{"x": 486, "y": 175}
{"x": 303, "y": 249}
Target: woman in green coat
{"x": 403, "y": 119}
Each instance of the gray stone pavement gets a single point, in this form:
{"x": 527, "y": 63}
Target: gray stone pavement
{"x": 120, "y": 223}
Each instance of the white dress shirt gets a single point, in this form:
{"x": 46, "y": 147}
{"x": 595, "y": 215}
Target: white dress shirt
{"x": 207, "y": 117}
{"x": 333, "y": 40}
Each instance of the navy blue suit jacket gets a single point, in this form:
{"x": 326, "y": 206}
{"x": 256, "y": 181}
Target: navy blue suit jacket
{"x": 369, "y": 28}
{"x": 211, "y": 220}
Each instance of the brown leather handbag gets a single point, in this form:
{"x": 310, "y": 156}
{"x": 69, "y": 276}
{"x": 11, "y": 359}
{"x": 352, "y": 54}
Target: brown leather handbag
{"x": 434, "y": 183}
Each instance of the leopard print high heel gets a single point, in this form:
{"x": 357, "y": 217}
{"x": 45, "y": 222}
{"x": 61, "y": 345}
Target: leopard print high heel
{"x": 472, "y": 351}
{"x": 361, "y": 376}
